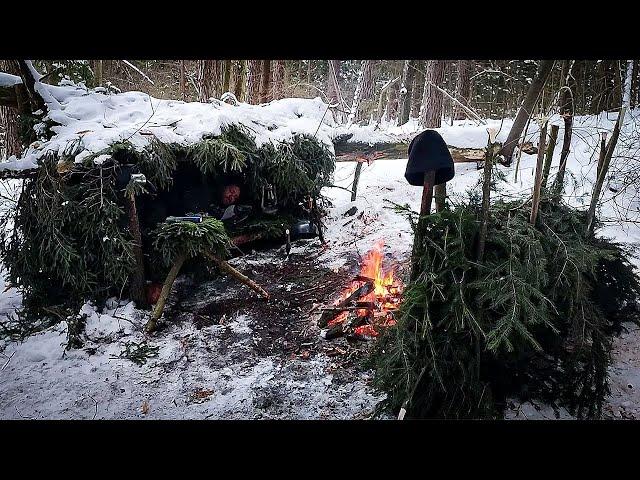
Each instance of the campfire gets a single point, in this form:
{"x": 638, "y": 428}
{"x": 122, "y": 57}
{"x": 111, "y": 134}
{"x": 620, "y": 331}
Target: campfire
{"x": 367, "y": 304}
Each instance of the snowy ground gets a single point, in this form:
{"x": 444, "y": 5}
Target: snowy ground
{"x": 224, "y": 370}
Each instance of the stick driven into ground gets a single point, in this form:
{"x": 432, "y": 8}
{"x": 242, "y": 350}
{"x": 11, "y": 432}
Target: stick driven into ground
{"x": 537, "y": 186}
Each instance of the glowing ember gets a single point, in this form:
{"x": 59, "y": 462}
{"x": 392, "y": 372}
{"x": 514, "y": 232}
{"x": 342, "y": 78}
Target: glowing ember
{"x": 379, "y": 303}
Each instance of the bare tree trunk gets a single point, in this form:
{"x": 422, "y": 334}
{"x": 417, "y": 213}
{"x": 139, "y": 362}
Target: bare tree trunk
{"x": 406, "y": 91}
{"x": 333, "y": 88}
{"x": 278, "y": 80}
{"x": 567, "y": 106}
{"x": 9, "y": 116}
{"x": 526, "y": 109}
{"x": 226, "y": 83}
{"x": 254, "y": 77}
{"x": 206, "y": 75}
{"x": 597, "y": 189}
{"x": 183, "y": 84}
{"x": 392, "y": 105}
{"x": 240, "y": 80}
{"x": 265, "y": 84}
{"x": 98, "y": 73}
{"x": 431, "y": 112}
{"x": 418, "y": 88}
{"x": 357, "y": 95}
{"x": 463, "y": 88}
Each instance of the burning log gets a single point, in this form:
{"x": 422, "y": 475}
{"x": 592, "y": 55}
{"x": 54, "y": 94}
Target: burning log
{"x": 344, "y": 304}
{"x": 367, "y": 304}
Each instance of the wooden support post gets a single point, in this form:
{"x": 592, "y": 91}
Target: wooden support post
{"x": 492, "y": 149}
{"x": 603, "y": 151}
{"x": 538, "y": 180}
{"x": 440, "y": 195}
{"x": 138, "y": 276}
{"x": 553, "y": 138}
{"x": 425, "y": 210}
{"x": 164, "y": 294}
{"x": 356, "y": 179}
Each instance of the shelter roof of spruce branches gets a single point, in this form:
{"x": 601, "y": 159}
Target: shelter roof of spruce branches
{"x": 91, "y": 120}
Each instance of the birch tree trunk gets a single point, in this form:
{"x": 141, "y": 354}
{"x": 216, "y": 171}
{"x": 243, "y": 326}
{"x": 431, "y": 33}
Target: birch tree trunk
{"x": 432, "y": 98}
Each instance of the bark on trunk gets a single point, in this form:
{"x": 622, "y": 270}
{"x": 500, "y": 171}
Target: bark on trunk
{"x": 526, "y": 109}
{"x": 240, "y": 80}
{"x": 253, "y": 81}
{"x": 463, "y": 88}
{"x": 406, "y": 91}
{"x": 432, "y": 98}
{"x": 265, "y": 88}
{"x": 9, "y": 116}
{"x": 278, "y": 80}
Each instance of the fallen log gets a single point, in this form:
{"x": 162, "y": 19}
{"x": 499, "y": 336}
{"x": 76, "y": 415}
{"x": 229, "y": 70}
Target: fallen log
{"x": 364, "y": 152}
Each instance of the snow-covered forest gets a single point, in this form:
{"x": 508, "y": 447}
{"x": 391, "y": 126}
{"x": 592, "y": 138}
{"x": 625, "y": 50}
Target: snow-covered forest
{"x": 319, "y": 239}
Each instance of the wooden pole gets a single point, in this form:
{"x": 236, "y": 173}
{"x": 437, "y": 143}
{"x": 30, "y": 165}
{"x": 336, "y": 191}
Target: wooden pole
{"x": 164, "y": 294}
{"x": 538, "y": 180}
{"x": 225, "y": 267}
{"x": 553, "y": 138}
{"x": 597, "y": 189}
{"x": 138, "y": 277}
{"x": 486, "y": 193}
{"x": 356, "y": 179}
{"x": 440, "y": 195}
{"x": 603, "y": 152}
{"x": 425, "y": 210}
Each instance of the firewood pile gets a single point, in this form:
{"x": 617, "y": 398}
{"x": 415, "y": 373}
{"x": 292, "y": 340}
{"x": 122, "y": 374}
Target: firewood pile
{"x": 366, "y": 305}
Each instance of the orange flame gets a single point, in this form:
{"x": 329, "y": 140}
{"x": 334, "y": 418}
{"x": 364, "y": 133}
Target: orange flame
{"x": 385, "y": 294}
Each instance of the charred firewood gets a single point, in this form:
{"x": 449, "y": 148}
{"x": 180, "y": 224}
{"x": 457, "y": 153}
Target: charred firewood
{"x": 329, "y": 315}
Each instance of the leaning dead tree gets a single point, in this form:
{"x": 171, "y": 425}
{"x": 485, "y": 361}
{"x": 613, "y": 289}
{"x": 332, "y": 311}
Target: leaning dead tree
{"x": 604, "y": 168}
{"x": 526, "y": 110}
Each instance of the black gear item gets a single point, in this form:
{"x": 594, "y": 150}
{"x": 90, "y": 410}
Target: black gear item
{"x": 428, "y": 151}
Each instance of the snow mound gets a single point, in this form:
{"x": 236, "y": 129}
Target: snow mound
{"x": 97, "y": 119}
